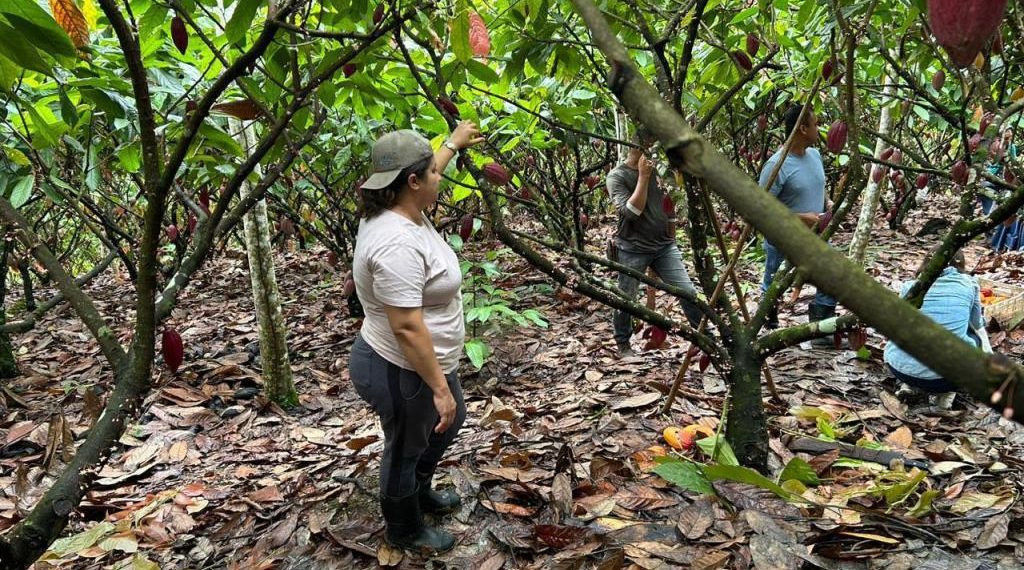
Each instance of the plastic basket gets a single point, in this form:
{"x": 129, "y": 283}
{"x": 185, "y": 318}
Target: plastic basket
{"x": 1009, "y": 312}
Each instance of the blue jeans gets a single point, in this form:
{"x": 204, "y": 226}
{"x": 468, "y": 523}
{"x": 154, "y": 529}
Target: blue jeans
{"x": 667, "y": 262}
{"x": 773, "y": 260}
{"x": 930, "y": 385}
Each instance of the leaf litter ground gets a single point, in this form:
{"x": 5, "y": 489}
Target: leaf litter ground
{"x": 553, "y": 463}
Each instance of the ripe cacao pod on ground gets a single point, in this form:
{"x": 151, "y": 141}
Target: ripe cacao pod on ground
{"x": 172, "y": 348}
{"x": 836, "y": 138}
{"x": 657, "y": 337}
{"x": 963, "y": 27}
{"x": 496, "y": 174}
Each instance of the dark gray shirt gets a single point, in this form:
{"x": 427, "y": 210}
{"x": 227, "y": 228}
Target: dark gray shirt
{"x": 638, "y": 233}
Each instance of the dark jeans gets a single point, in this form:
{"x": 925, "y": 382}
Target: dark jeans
{"x": 931, "y": 385}
{"x": 667, "y": 262}
{"x": 405, "y": 405}
{"x": 772, "y": 261}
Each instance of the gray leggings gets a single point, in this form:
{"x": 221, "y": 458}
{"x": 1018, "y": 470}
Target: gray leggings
{"x": 405, "y": 405}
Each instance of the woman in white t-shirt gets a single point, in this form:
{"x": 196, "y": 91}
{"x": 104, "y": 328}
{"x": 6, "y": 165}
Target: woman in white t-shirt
{"x": 404, "y": 360}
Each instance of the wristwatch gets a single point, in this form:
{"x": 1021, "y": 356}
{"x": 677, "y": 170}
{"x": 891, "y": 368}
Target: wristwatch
{"x": 450, "y": 146}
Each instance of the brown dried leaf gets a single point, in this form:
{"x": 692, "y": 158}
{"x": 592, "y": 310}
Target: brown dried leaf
{"x": 643, "y": 499}
{"x": 497, "y": 411}
{"x": 638, "y": 401}
{"x": 561, "y": 494}
{"x": 821, "y": 463}
{"x": 558, "y": 536}
{"x": 513, "y": 474}
{"x": 70, "y": 18}
{"x": 994, "y": 532}
{"x": 711, "y": 561}
{"x": 389, "y": 556}
{"x": 696, "y": 519}
{"x": 901, "y": 438}
{"x": 510, "y": 509}
{"x": 358, "y": 443}
{"x": 243, "y": 109}
{"x": 271, "y": 494}
{"x": 495, "y": 562}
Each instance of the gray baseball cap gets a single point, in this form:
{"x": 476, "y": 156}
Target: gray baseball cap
{"x": 393, "y": 152}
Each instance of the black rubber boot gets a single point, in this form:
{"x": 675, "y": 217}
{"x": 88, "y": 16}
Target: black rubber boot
{"x": 818, "y": 312}
{"x": 406, "y": 528}
{"x": 435, "y": 502}
{"x": 771, "y": 320}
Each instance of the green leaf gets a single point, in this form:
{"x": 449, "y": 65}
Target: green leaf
{"x": 924, "y": 504}
{"x": 744, "y": 475}
{"x": 81, "y": 541}
{"x": 460, "y": 193}
{"x": 241, "y": 19}
{"x": 16, "y": 47}
{"x": 744, "y": 15}
{"x": 22, "y": 190}
{"x": 898, "y": 493}
{"x": 8, "y": 74}
{"x": 42, "y": 128}
{"x": 477, "y": 351}
{"x": 460, "y": 33}
{"x": 130, "y": 157}
{"x": 38, "y": 26}
{"x": 455, "y": 240}
{"x": 724, "y": 453}
{"x": 826, "y": 429}
{"x": 799, "y": 470}
{"x": 68, "y": 112}
{"x": 482, "y": 72}
{"x": 683, "y": 474}
{"x": 864, "y": 353}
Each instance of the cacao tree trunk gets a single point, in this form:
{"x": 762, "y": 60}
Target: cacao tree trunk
{"x": 747, "y": 426}
{"x": 869, "y": 205}
{"x": 277, "y": 371}
{"x": 8, "y": 365}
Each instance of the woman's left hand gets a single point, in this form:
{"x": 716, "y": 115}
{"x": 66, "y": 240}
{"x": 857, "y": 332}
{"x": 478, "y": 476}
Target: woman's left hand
{"x": 465, "y": 135}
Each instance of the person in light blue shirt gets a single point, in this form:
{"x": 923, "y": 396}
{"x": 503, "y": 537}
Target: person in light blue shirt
{"x": 800, "y": 185}
{"x": 953, "y": 301}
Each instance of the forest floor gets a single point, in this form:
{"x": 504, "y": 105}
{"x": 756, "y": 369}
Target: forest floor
{"x": 552, "y": 462}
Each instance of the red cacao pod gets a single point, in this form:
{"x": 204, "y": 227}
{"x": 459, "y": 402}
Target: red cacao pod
{"x": 823, "y": 221}
{"x": 836, "y": 139}
{"x": 753, "y": 44}
{"x": 762, "y": 122}
{"x": 179, "y": 34}
{"x": 192, "y": 222}
{"x": 350, "y": 286}
{"x": 921, "y": 181}
{"x": 204, "y": 200}
{"x": 378, "y": 14}
{"x": 657, "y": 337}
{"x": 704, "y": 362}
{"x": 449, "y": 107}
{"x": 742, "y": 60}
{"x": 974, "y": 142}
{"x": 173, "y": 349}
{"x": 897, "y": 157}
{"x": 349, "y": 69}
{"x": 668, "y": 206}
{"x": 592, "y": 181}
{"x": 172, "y": 232}
{"x": 584, "y": 220}
{"x": 997, "y": 44}
{"x": 938, "y": 80}
{"x": 827, "y": 68}
{"x": 531, "y": 161}
{"x": 837, "y": 340}
{"x": 985, "y": 121}
{"x": 959, "y": 172}
{"x": 496, "y": 174}
{"x": 466, "y": 227}
{"x": 963, "y": 27}
{"x": 877, "y": 172}
{"x": 887, "y": 154}
{"x": 858, "y": 338}
{"x": 996, "y": 149}
{"x": 332, "y": 260}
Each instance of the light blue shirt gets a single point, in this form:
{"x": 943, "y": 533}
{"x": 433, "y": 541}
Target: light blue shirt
{"x": 952, "y": 301}
{"x": 800, "y": 184}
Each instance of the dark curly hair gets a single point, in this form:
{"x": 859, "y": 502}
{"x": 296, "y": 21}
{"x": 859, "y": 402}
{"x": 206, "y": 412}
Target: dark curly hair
{"x": 376, "y": 201}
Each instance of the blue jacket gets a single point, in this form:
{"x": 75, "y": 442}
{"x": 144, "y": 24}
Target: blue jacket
{"x": 953, "y": 301}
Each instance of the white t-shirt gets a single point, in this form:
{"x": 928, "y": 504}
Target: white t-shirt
{"x": 403, "y": 264}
